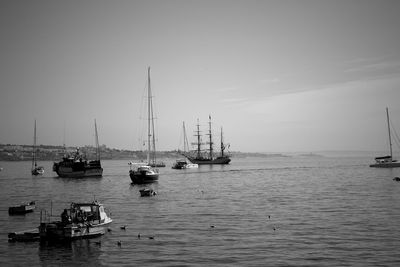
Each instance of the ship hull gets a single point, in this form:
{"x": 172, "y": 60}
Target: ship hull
{"x": 77, "y": 170}
{"x": 138, "y": 178}
{"x": 386, "y": 165}
{"x": 205, "y": 161}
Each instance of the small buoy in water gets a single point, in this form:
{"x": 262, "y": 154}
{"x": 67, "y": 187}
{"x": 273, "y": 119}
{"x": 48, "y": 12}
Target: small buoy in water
{"x": 151, "y": 237}
{"x": 397, "y": 179}
{"x": 119, "y": 243}
{"x": 138, "y": 236}
{"x": 109, "y": 230}
{"x": 212, "y": 226}
{"x": 269, "y": 217}
{"x": 123, "y": 227}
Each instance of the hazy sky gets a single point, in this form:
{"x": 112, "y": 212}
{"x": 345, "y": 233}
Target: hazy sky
{"x": 278, "y": 76}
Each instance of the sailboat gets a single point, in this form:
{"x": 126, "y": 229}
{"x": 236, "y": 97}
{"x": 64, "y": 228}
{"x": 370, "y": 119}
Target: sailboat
{"x": 141, "y": 173}
{"x": 200, "y": 157}
{"x": 36, "y": 170}
{"x": 386, "y": 161}
{"x": 182, "y": 163}
{"x": 77, "y": 166}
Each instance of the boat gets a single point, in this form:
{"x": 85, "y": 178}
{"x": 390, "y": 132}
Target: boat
{"x": 147, "y": 192}
{"x": 386, "y": 161}
{"x": 201, "y": 157}
{"x": 35, "y": 170}
{"x": 24, "y": 236}
{"x": 79, "y": 221}
{"x": 143, "y": 173}
{"x": 76, "y": 165}
{"x": 182, "y": 163}
{"x": 23, "y": 208}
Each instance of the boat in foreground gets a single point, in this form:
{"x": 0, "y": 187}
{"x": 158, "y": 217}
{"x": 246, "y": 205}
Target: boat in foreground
{"x": 144, "y": 173}
{"x": 81, "y": 220}
{"x": 23, "y": 208}
{"x": 77, "y": 166}
{"x": 386, "y": 161}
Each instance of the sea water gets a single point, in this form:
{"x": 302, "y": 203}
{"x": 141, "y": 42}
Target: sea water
{"x": 274, "y": 211}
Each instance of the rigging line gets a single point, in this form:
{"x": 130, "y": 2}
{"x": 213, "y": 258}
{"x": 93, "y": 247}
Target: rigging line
{"x": 396, "y": 139}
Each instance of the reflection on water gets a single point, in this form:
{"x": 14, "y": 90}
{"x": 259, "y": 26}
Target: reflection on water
{"x": 79, "y": 252}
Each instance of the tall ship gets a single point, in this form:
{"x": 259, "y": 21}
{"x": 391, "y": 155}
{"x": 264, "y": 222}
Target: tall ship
{"x": 76, "y": 165}
{"x": 35, "y": 170}
{"x": 144, "y": 173}
{"x": 387, "y": 161}
{"x": 202, "y": 156}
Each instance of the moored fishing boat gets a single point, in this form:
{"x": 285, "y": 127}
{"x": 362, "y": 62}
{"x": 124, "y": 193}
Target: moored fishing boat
{"x": 77, "y": 166}
{"x": 80, "y": 220}
{"x": 143, "y": 173}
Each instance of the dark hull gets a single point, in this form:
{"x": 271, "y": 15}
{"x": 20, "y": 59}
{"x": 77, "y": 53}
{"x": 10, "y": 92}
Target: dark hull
{"x": 78, "y": 169}
{"x": 23, "y": 209}
{"x": 142, "y": 178}
{"x": 205, "y": 161}
{"x": 386, "y": 165}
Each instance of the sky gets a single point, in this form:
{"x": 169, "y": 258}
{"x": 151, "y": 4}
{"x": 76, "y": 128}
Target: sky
{"x": 278, "y": 76}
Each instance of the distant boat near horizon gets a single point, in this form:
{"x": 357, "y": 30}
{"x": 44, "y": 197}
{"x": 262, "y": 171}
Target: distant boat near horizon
{"x": 182, "y": 163}
{"x": 35, "y": 170}
{"x": 77, "y": 166}
{"x": 143, "y": 173}
{"x": 202, "y": 157}
{"x": 386, "y": 161}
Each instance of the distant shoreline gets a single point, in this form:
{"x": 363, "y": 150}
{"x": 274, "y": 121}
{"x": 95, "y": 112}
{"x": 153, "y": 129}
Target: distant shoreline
{"x": 12, "y": 152}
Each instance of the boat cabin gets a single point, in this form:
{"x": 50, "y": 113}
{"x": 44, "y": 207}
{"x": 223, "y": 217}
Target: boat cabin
{"x": 385, "y": 159}
{"x": 85, "y": 212}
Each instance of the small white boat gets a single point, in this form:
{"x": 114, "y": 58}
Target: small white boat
{"x": 183, "y": 164}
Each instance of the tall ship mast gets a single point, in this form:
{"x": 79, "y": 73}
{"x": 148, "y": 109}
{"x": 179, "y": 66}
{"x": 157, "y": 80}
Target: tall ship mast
{"x": 207, "y": 156}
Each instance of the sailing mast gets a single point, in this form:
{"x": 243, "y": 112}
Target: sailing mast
{"x": 97, "y": 141}
{"x": 34, "y": 164}
{"x": 197, "y": 134}
{"x": 151, "y": 139}
{"x": 210, "y": 138}
{"x": 222, "y": 144}
{"x": 390, "y": 138}
{"x": 185, "y": 140}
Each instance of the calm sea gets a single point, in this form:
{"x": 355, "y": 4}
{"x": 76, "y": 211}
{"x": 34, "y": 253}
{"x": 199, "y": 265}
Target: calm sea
{"x": 294, "y": 211}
